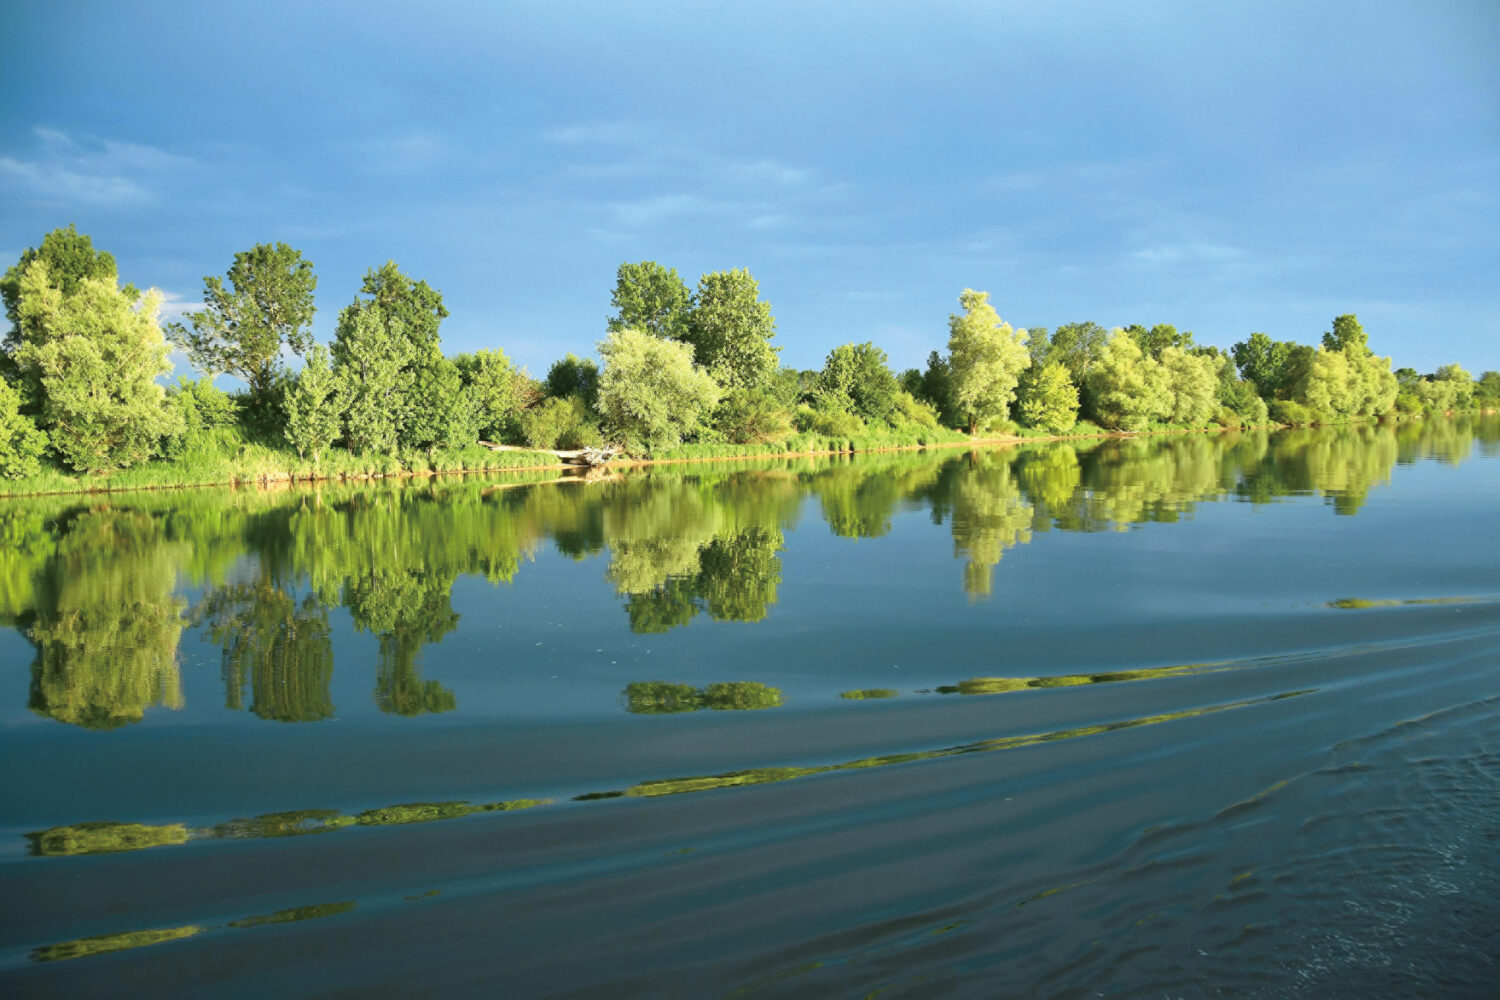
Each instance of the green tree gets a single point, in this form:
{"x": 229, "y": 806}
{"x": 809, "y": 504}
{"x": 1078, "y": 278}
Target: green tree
{"x": 730, "y": 329}
{"x": 1193, "y": 382}
{"x": 267, "y": 306}
{"x": 855, "y": 377}
{"x": 1154, "y": 341}
{"x": 1047, "y": 398}
{"x": 1127, "y": 389}
{"x": 314, "y": 402}
{"x": 21, "y": 443}
{"x": 373, "y": 364}
{"x": 1347, "y": 335}
{"x": 987, "y": 359}
{"x": 70, "y": 258}
{"x": 574, "y": 376}
{"x": 497, "y": 389}
{"x": 95, "y": 356}
{"x": 1078, "y": 346}
{"x": 936, "y": 389}
{"x": 652, "y": 298}
{"x": 650, "y": 389}
{"x": 1274, "y": 367}
{"x": 1462, "y": 382}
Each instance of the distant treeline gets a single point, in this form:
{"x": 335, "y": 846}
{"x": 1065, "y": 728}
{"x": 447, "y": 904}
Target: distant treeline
{"x": 80, "y": 366}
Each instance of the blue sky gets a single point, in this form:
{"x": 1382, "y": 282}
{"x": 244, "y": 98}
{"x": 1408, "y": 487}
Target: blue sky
{"x": 1223, "y": 167}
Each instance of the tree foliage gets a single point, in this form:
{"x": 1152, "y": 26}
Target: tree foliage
{"x": 650, "y": 390}
{"x": 856, "y": 378}
{"x": 730, "y": 329}
{"x": 1047, "y": 398}
{"x": 987, "y": 358}
{"x": 267, "y": 306}
{"x": 94, "y": 356}
{"x": 497, "y": 388}
{"x": 651, "y": 298}
{"x": 314, "y": 402}
{"x": 21, "y": 442}
{"x": 1127, "y": 389}
{"x": 70, "y": 258}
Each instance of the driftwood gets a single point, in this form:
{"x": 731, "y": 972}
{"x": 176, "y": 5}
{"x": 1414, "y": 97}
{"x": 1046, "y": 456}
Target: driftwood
{"x": 588, "y": 457}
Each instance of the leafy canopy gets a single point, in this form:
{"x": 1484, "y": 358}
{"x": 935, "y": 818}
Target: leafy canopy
{"x": 266, "y": 306}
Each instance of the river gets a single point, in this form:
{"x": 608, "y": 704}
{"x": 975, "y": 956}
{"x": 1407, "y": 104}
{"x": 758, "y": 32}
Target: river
{"x": 1198, "y": 715}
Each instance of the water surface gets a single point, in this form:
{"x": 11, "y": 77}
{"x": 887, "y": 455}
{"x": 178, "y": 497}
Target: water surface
{"x": 1195, "y": 716}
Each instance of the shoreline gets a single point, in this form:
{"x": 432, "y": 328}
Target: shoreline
{"x": 289, "y": 481}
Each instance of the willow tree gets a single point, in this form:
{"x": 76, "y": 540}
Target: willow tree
{"x": 650, "y": 390}
{"x": 94, "y": 357}
{"x": 986, "y": 357}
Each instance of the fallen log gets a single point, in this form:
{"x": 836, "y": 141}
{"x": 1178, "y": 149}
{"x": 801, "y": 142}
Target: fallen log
{"x": 590, "y": 457}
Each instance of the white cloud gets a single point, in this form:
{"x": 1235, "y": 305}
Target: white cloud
{"x": 86, "y": 170}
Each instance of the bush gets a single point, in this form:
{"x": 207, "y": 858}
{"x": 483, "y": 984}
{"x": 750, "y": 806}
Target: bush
{"x": 1293, "y": 414}
{"x": 828, "y": 422}
{"x": 745, "y": 416}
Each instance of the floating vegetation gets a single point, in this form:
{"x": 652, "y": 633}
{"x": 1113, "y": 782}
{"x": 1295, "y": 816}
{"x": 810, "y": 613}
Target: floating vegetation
{"x": 867, "y": 694}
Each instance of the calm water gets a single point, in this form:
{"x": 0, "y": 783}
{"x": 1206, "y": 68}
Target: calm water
{"x": 1198, "y": 716}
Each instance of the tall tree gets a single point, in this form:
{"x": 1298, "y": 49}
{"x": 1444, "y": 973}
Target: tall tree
{"x": 266, "y": 306}
{"x": 987, "y": 359}
{"x": 731, "y": 329}
{"x": 70, "y": 258}
{"x": 1347, "y": 334}
{"x": 652, "y": 298}
{"x": 95, "y": 356}
{"x": 373, "y": 364}
{"x": 388, "y": 355}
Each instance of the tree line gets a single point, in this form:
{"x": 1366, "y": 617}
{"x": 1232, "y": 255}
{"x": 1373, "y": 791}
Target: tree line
{"x": 81, "y": 370}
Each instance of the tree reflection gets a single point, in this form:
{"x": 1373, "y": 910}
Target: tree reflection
{"x": 277, "y": 647}
{"x": 94, "y": 585}
{"x": 106, "y": 621}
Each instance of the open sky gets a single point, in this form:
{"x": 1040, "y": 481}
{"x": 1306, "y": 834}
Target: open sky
{"x": 1223, "y": 167}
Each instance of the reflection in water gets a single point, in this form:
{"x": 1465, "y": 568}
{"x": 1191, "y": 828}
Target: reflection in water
{"x": 1001, "y": 685}
{"x": 663, "y": 698}
{"x": 275, "y": 645}
{"x": 105, "y": 620}
{"x": 315, "y": 912}
{"x": 108, "y": 838}
{"x": 95, "y": 585}
{"x": 767, "y": 775}
{"x": 101, "y": 943}
{"x": 96, "y": 838}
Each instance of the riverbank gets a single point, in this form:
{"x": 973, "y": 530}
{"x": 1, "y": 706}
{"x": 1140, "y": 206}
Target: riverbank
{"x": 268, "y": 469}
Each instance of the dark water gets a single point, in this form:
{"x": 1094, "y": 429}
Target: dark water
{"x": 1197, "y": 716}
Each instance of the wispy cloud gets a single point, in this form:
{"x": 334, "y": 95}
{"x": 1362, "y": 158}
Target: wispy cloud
{"x": 84, "y": 170}
{"x": 414, "y": 152}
